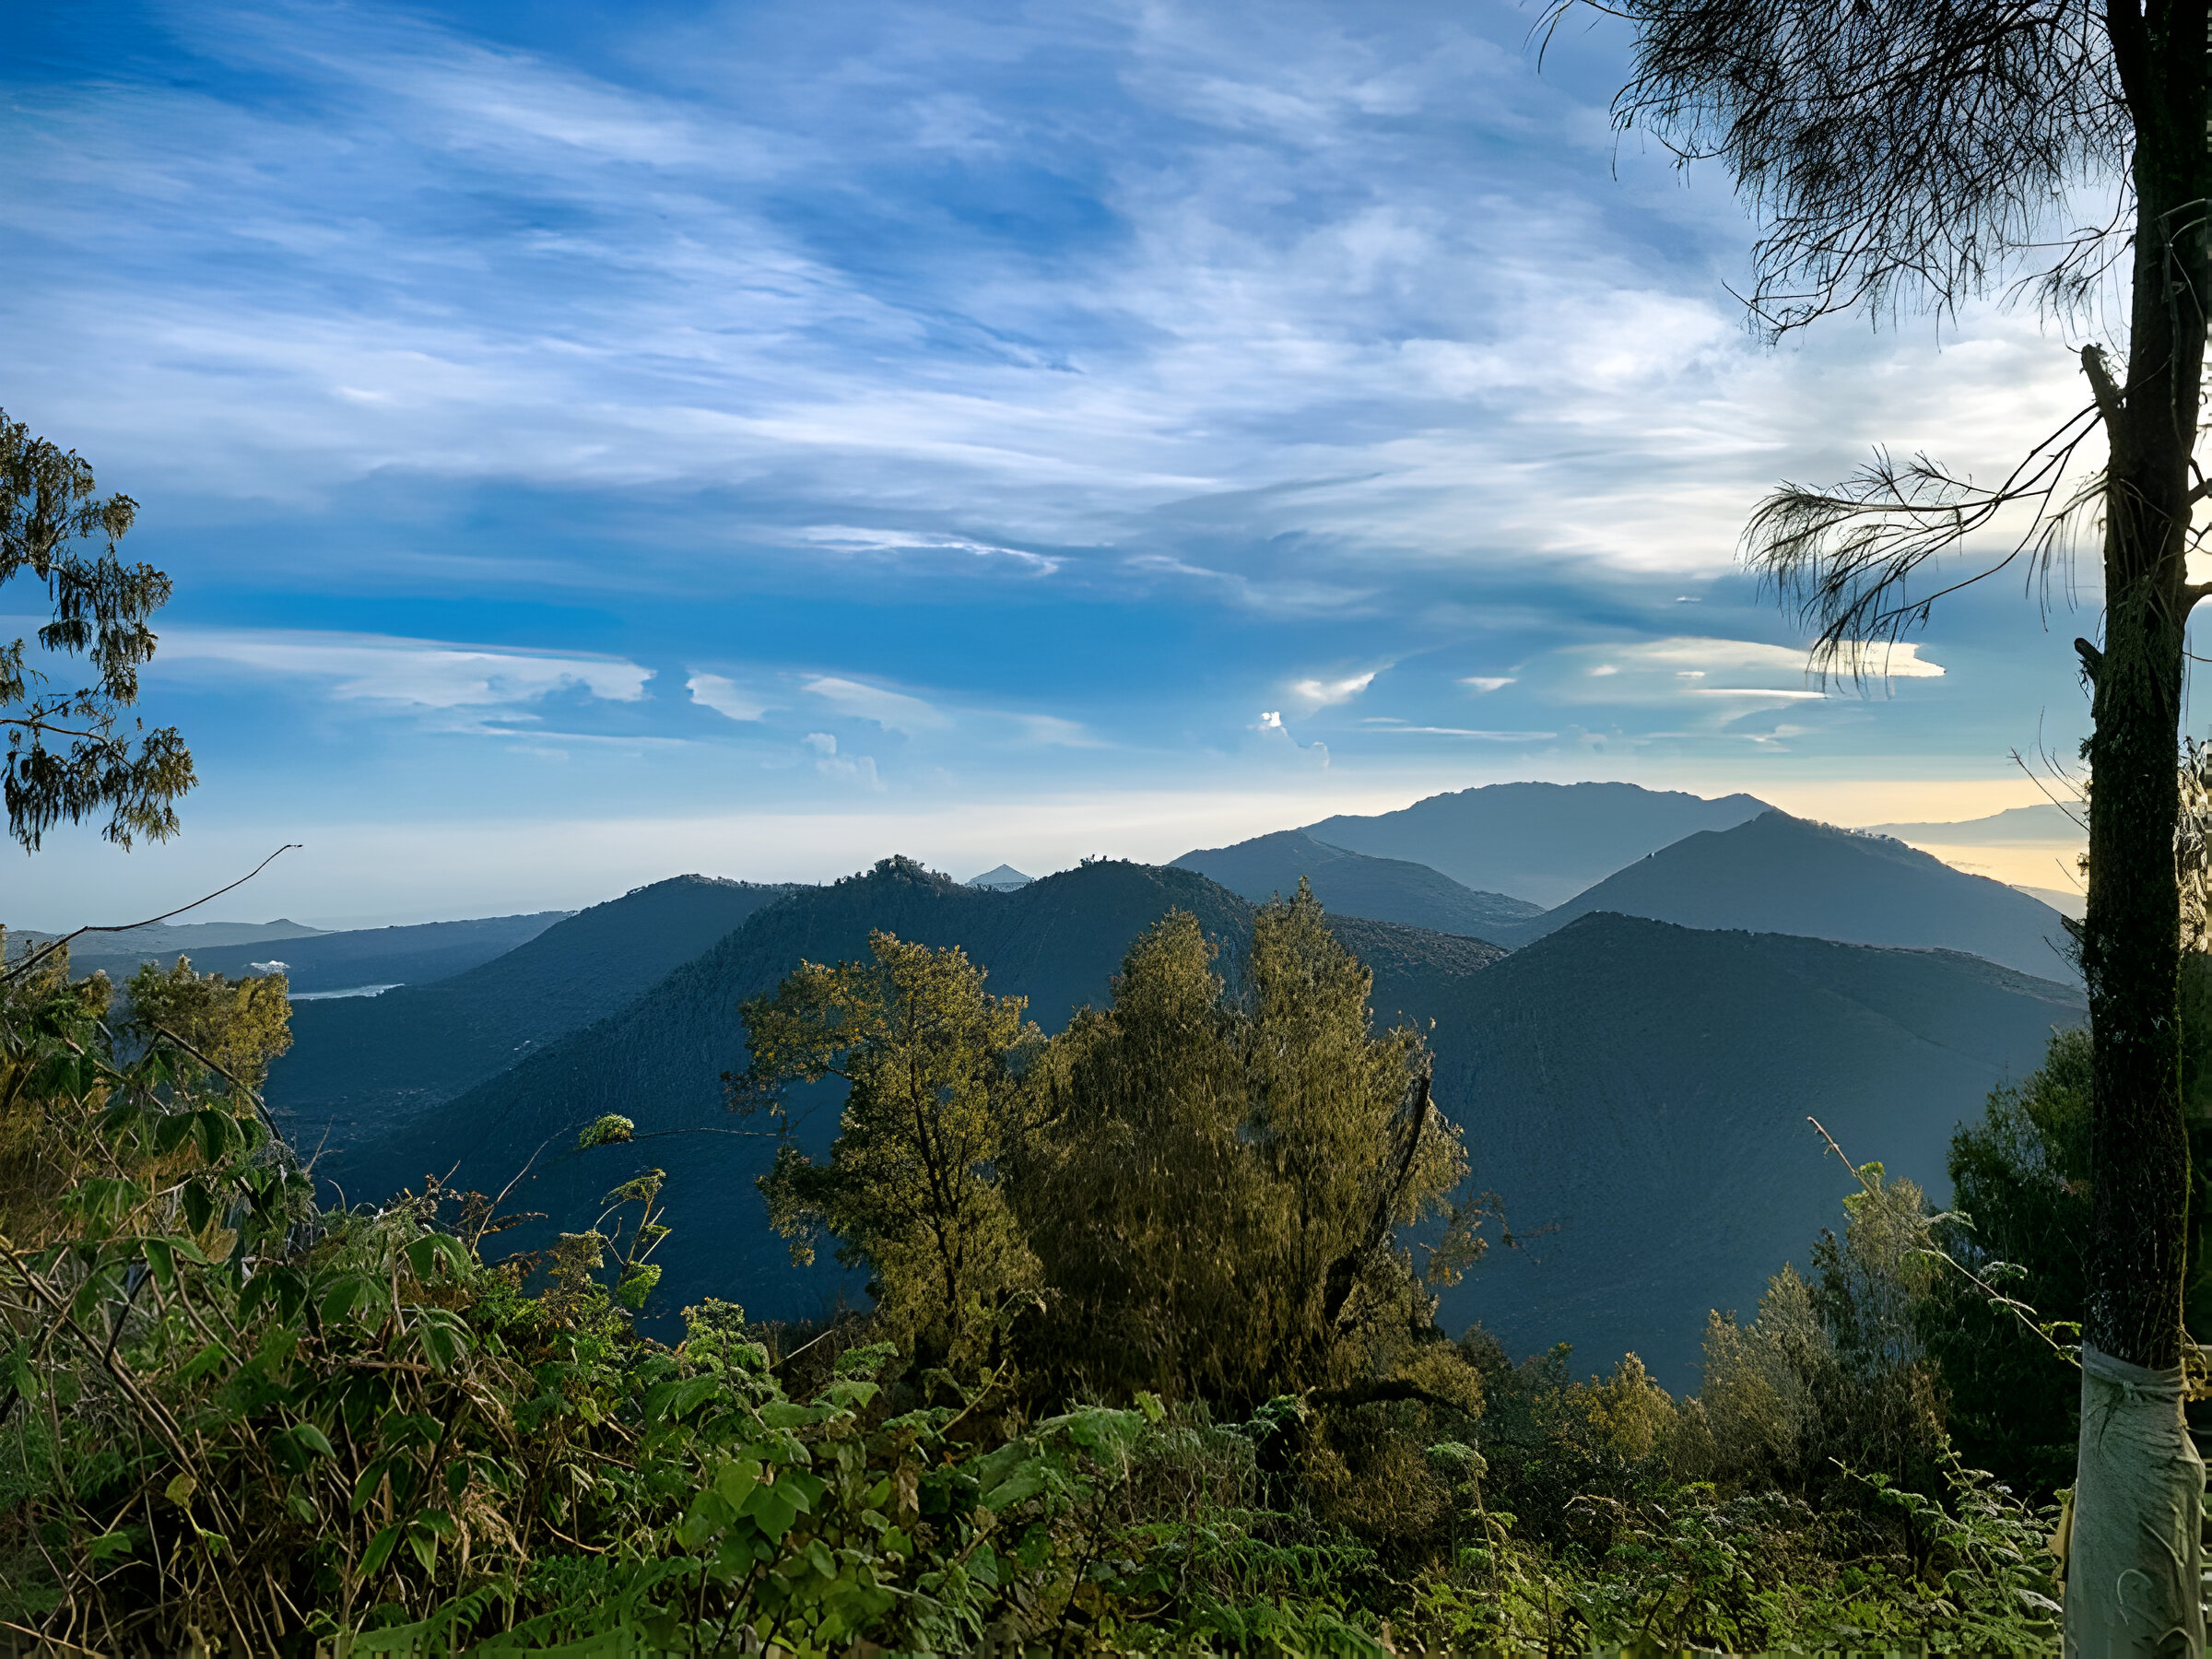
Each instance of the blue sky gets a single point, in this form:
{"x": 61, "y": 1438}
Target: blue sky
{"x": 593, "y": 441}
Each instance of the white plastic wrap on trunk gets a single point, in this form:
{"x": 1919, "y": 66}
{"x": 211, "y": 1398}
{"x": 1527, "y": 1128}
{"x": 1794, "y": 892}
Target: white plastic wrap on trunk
{"x": 2134, "y": 1561}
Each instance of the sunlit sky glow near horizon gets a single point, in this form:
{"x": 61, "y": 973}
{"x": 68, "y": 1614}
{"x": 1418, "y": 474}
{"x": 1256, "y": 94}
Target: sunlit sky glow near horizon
{"x": 593, "y": 441}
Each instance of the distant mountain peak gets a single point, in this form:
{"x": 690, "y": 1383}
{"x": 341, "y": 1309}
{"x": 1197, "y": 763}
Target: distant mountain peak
{"x": 1776, "y": 874}
{"x": 1542, "y": 842}
{"x": 1005, "y": 879}
{"x": 1357, "y": 883}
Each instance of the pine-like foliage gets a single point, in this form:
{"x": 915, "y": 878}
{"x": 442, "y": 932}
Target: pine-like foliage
{"x": 1215, "y": 1184}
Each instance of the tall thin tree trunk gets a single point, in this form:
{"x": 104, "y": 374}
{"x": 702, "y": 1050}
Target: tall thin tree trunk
{"x": 2132, "y": 1576}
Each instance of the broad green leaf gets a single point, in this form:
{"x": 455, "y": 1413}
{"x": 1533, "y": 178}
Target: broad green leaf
{"x": 163, "y": 1261}
{"x": 771, "y": 1510}
{"x": 736, "y": 1481}
{"x": 1026, "y": 1481}
{"x": 212, "y": 1356}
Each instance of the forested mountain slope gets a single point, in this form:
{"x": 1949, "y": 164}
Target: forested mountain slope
{"x": 1544, "y": 842}
{"x": 1777, "y": 874}
{"x": 374, "y": 1061}
{"x": 336, "y": 961}
{"x": 660, "y": 1060}
{"x": 1357, "y": 883}
{"x": 1635, "y": 1092}
{"x": 1642, "y": 1089}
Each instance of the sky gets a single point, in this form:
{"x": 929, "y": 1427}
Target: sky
{"x": 593, "y": 441}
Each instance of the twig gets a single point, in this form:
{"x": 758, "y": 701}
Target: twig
{"x": 2065, "y": 806}
{"x": 44, "y": 1639}
{"x": 46, "y": 950}
{"x": 2018, "y": 1308}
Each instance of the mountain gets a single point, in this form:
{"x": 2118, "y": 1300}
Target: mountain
{"x": 1642, "y": 1089}
{"x": 321, "y": 962}
{"x": 166, "y": 939}
{"x": 1777, "y": 874}
{"x": 2064, "y": 902}
{"x": 1544, "y": 842}
{"x": 1357, "y": 883}
{"x": 2044, "y": 821}
{"x": 659, "y": 1061}
{"x": 1004, "y": 879}
{"x": 374, "y": 1060}
{"x": 1635, "y": 1092}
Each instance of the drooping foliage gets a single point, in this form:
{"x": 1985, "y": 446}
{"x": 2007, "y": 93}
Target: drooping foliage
{"x": 70, "y": 755}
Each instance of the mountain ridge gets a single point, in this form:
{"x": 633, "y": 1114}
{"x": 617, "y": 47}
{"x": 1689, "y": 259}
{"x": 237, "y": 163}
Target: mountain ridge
{"x": 1783, "y": 875}
{"x": 373, "y": 1062}
{"x": 1542, "y": 842}
{"x": 1356, "y": 884}
{"x": 1616, "y": 1076}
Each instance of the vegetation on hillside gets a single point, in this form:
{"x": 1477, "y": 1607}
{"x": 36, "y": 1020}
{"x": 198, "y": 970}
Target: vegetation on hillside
{"x": 1151, "y": 1367}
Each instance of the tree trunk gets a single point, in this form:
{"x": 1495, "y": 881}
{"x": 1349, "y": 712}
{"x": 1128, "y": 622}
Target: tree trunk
{"x": 2133, "y": 1574}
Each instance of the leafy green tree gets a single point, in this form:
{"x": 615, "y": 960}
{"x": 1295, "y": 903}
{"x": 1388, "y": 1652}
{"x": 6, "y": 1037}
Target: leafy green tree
{"x": 1138, "y": 1191}
{"x": 238, "y": 1027}
{"x": 912, "y": 1187}
{"x": 69, "y": 755}
{"x": 1829, "y": 1384}
{"x": 1351, "y": 1147}
{"x": 1214, "y": 1185}
{"x": 2020, "y": 1187}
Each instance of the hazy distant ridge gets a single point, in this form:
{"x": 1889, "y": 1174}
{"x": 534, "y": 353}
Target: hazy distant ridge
{"x": 1543, "y": 842}
{"x": 1356, "y": 884}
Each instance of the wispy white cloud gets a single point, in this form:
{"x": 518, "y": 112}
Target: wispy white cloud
{"x": 1690, "y": 666}
{"x": 1325, "y": 693}
{"x": 1315, "y": 334}
{"x": 421, "y": 674}
{"x": 1051, "y": 731}
{"x": 726, "y": 697}
{"x": 846, "y": 539}
{"x": 1383, "y": 723}
{"x": 893, "y": 709}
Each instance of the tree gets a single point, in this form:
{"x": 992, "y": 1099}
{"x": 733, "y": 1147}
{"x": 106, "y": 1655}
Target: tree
{"x": 237, "y": 1027}
{"x": 912, "y": 1187}
{"x": 1907, "y": 151}
{"x": 68, "y": 753}
{"x": 1214, "y": 1185}
{"x": 1136, "y": 1189}
{"x": 2020, "y": 1187}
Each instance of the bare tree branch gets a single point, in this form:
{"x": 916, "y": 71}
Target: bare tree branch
{"x": 33, "y": 959}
